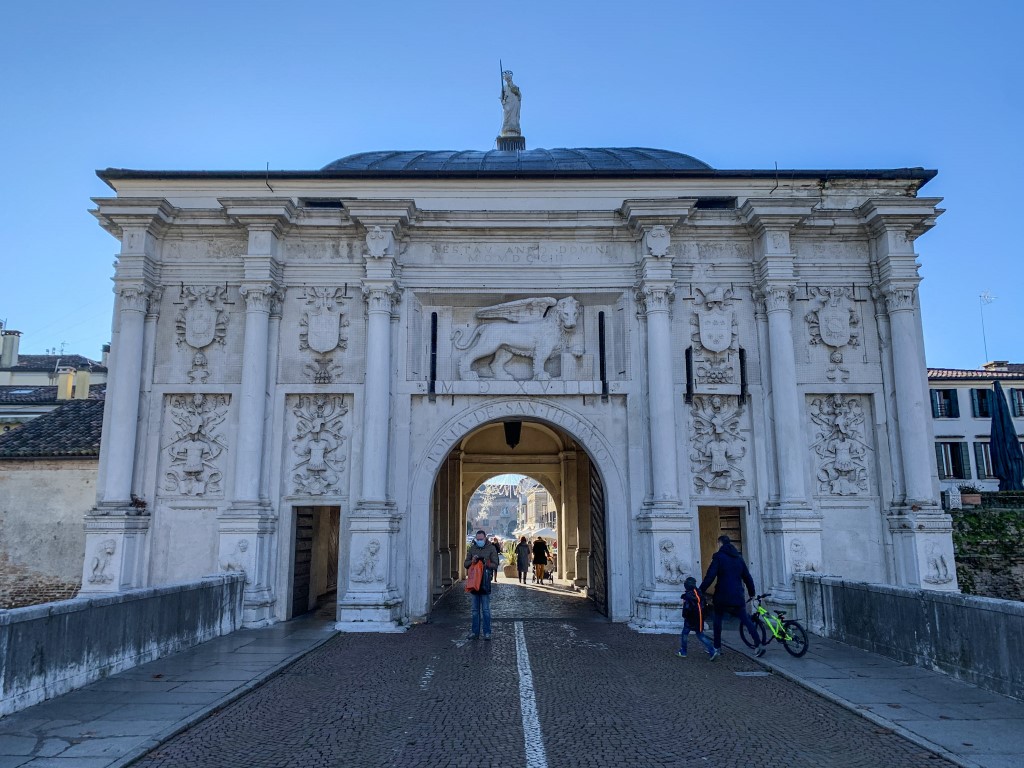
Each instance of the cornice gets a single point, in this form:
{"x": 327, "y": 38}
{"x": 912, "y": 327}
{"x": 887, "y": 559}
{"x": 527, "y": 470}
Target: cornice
{"x": 912, "y": 215}
{"x": 761, "y": 214}
{"x": 641, "y": 214}
{"x": 115, "y": 214}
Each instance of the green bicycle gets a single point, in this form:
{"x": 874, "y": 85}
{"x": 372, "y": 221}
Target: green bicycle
{"x": 789, "y": 632}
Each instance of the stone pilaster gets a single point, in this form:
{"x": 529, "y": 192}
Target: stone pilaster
{"x": 568, "y": 541}
{"x": 371, "y": 601}
{"x": 456, "y": 525}
{"x": 248, "y": 528}
{"x": 921, "y": 532}
{"x": 790, "y": 518}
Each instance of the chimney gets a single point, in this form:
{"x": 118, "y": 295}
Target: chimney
{"x": 65, "y": 381}
{"x": 82, "y": 384}
{"x": 106, "y": 355}
{"x": 997, "y": 365}
{"x": 9, "y": 356}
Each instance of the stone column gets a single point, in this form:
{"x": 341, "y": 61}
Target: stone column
{"x": 116, "y": 529}
{"x": 569, "y": 541}
{"x": 790, "y": 523}
{"x": 126, "y": 379}
{"x": 921, "y": 532}
{"x": 583, "y": 529}
{"x": 248, "y": 528}
{"x": 372, "y": 602}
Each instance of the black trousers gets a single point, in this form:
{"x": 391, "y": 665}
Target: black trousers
{"x": 732, "y": 610}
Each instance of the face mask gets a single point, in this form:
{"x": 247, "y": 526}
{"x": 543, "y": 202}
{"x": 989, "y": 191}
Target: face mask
{"x": 480, "y": 542}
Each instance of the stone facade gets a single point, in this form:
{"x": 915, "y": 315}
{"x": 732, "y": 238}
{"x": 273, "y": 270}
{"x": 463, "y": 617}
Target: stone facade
{"x": 696, "y": 342}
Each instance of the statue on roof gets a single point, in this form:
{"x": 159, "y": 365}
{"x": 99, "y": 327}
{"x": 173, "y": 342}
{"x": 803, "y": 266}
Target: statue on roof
{"x": 511, "y": 100}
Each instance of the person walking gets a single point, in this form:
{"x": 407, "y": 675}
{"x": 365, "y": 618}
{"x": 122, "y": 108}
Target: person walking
{"x": 731, "y": 573}
{"x": 522, "y": 559}
{"x": 540, "y": 558}
{"x": 482, "y": 551}
{"x": 497, "y": 545}
{"x": 693, "y": 618}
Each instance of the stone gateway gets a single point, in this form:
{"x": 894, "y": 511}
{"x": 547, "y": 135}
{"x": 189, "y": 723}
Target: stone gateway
{"x": 312, "y": 371}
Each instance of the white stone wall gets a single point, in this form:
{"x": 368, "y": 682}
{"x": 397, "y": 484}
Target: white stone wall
{"x": 283, "y": 360}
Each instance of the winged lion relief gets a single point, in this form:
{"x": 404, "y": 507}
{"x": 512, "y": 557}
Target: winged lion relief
{"x": 532, "y": 328}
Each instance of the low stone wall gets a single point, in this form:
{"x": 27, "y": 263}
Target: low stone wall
{"x": 975, "y": 639}
{"x": 47, "y": 650}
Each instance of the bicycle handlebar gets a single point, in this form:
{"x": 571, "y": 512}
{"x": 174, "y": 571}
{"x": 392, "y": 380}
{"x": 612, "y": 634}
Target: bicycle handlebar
{"x": 759, "y": 597}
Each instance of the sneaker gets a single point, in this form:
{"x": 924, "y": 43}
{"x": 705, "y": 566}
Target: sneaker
{"x": 680, "y": 654}
{"x": 760, "y": 651}
{"x": 487, "y": 636}
{"x": 474, "y": 637}
{"x": 713, "y": 656}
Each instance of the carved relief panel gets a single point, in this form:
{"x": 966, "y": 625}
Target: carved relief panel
{"x": 529, "y": 339}
{"x": 717, "y": 446}
{"x": 201, "y": 321}
{"x": 715, "y": 339}
{"x": 841, "y": 444}
{"x": 834, "y": 323}
{"x": 321, "y": 332}
{"x": 193, "y": 445}
{"x": 317, "y": 457}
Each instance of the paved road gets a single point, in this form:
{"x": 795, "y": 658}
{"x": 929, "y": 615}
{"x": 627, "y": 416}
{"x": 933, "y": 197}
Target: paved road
{"x": 604, "y": 695}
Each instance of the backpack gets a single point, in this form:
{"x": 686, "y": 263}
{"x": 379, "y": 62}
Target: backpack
{"x": 695, "y": 607}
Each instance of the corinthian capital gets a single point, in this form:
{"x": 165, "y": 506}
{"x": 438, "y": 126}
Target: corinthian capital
{"x": 777, "y": 297}
{"x": 259, "y": 297}
{"x": 380, "y": 297}
{"x": 134, "y": 298}
{"x": 900, "y": 298}
{"x": 656, "y": 297}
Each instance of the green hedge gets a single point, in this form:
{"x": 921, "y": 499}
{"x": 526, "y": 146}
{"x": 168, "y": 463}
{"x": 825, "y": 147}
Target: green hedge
{"x": 984, "y": 538}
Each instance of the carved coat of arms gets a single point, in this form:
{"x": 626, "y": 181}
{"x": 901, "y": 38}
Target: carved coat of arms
{"x": 716, "y": 329}
{"x": 834, "y": 323}
{"x": 715, "y": 339}
{"x": 321, "y": 331}
{"x": 201, "y": 321}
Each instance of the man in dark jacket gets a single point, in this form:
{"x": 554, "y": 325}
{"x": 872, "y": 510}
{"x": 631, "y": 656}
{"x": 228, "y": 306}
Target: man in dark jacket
{"x": 728, "y": 568}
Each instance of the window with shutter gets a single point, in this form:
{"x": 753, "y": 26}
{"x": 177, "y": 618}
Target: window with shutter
{"x": 954, "y": 404}
{"x": 940, "y": 461}
{"x": 965, "y": 462}
{"x": 983, "y": 460}
{"x": 974, "y": 404}
{"x": 935, "y": 402}
{"x": 1017, "y": 402}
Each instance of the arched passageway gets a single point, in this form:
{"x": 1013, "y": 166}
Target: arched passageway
{"x": 550, "y": 456}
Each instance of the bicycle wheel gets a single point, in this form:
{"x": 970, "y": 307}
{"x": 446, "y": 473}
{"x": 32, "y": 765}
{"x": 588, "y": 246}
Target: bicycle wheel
{"x": 752, "y": 642}
{"x": 796, "y": 645}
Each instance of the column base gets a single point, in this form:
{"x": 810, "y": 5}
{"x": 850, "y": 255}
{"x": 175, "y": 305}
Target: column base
{"x": 371, "y": 602}
{"x": 793, "y": 530}
{"x": 247, "y": 535}
{"x": 923, "y": 548}
{"x": 115, "y": 550}
{"x": 657, "y": 614}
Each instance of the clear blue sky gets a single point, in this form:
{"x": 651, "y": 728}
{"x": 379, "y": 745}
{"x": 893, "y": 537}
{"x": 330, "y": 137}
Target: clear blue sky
{"x": 235, "y": 85}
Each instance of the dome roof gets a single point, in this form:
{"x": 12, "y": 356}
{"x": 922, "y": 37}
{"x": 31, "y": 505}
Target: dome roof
{"x": 604, "y": 161}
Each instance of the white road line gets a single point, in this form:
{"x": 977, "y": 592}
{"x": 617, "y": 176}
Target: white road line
{"x": 536, "y": 756}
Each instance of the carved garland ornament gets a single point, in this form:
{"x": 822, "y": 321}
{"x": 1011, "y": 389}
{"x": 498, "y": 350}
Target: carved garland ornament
{"x": 834, "y": 323}
{"x": 840, "y": 445}
{"x": 320, "y": 332}
{"x": 717, "y": 446}
{"x": 317, "y": 440}
{"x": 196, "y": 445}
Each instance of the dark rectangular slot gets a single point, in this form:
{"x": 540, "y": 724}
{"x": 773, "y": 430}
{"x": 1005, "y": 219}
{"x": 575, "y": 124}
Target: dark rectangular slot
{"x": 743, "y": 375}
{"x": 602, "y": 357}
{"x": 432, "y": 384}
{"x": 715, "y": 203}
{"x": 313, "y": 202}
{"x": 689, "y": 375}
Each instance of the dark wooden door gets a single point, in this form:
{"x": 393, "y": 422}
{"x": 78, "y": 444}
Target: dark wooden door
{"x": 303, "y": 560}
{"x": 598, "y": 564}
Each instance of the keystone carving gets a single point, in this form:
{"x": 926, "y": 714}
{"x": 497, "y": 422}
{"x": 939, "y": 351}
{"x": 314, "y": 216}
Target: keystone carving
{"x": 196, "y": 445}
{"x": 321, "y": 332}
{"x": 834, "y": 323}
{"x": 317, "y": 440}
{"x": 201, "y": 321}
{"x": 717, "y": 446}
{"x": 840, "y": 445}
{"x": 531, "y": 328}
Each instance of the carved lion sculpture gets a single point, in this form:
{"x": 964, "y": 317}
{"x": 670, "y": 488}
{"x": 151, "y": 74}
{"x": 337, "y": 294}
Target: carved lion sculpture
{"x": 672, "y": 569}
{"x": 531, "y": 328}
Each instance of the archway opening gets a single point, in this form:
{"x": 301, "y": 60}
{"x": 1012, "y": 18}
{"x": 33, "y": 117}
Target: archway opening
{"x": 555, "y": 483}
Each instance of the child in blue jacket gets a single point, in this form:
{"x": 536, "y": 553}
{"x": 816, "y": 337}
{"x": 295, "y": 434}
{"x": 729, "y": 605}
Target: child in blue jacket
{"x": 694, "y": 608}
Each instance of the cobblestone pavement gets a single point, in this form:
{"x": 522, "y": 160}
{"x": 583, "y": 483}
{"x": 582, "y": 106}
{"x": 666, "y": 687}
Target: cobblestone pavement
{"x": 605, "y": 696}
